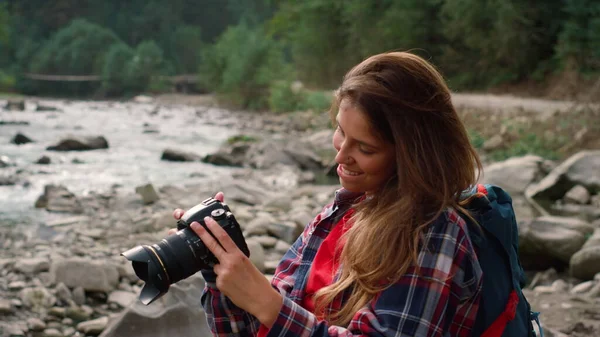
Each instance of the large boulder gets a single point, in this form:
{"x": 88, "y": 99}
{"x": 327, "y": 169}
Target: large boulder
{"x": 20, "y": 139}
{"x": 551, "y": 241}
{"x": 586, "y": 262}
{"x": 514, "y": 174}
{"x": 15, "y": 104}
{"x": 177, "y": 155}
{"x": 177, "y": 313}
{"x": 59, "y": 199}
{"x": 270, "y": 153}
{"x": 75, "y": 143}
{"x": 582, "y": 169}
{"x": 85, "y": 273}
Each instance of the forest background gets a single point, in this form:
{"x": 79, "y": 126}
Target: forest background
{"x": 251, "y": 52}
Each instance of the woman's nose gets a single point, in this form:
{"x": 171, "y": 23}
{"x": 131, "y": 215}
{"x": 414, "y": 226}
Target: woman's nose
{"x": 342, "y": 156}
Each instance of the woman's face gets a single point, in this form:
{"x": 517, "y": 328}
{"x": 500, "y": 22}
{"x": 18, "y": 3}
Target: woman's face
{"x": 365, "y": 161}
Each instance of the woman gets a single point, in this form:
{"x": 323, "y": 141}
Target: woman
{"x": 390, "y": 255}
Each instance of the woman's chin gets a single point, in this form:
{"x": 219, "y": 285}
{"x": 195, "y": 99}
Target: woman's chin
{"x": 351, "y": 187}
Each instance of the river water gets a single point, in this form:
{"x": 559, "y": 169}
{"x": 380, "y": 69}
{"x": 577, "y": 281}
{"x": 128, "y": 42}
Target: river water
{"x": 132, "y": 159}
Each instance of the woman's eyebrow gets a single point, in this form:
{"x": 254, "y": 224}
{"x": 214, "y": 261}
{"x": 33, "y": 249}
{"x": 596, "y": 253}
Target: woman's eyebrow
{"x": 361, "y": 142}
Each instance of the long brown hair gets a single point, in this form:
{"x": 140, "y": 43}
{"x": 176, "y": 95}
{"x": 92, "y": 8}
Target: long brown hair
{"x": 409, "y": 105}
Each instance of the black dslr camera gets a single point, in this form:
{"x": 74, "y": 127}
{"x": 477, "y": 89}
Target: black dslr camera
{"x": 182, "y": 254}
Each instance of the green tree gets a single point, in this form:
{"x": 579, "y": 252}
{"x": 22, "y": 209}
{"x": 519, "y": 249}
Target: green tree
{"x": 242, "y": 65}
{"x": 185, "y": 49}
{"x": 114, "y": 73}
{"x": 495, "y": 41}
{"x": 314, "y": 33}
{"x": 579, "y": 39}
{"x": 147, "y": 64}
{"x": 77, "y": 49}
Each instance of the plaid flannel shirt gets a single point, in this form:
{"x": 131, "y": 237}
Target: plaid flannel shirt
{"x": 441, "y": 300}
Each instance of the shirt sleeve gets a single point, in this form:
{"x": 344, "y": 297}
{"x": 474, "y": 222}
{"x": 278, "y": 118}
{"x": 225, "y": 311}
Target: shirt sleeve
{"x": 225, "y": 318}
{"x": 442, "y": 299}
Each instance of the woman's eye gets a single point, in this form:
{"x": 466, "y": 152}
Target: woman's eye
{"x": 367, "y": 152}
{"x": 338, "y": 129}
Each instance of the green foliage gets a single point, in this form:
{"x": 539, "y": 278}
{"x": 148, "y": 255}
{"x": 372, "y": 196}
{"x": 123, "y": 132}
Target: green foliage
{"x": 241, "y": 66}
{"x": 144, "y": 68}
{"x": 476, "y": 139}
{"x": 317, "y": 101}
{"x": 114, "y": 74}
{"x": 315, "y": 34}
{"x": 185, "y": 49}
{"x": 78, "y": 49}
{"x": 528, "y": 143}
{"x": 3, "y": 24}
{"x": 496, "y": 41}
{"x": 282, "y": 98}
{"x": 7, "y": 82}
{"x": 579, "y": 39}
{"x": 247, "y": 50}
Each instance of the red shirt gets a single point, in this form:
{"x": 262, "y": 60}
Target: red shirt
{"x": 323, "y": 267}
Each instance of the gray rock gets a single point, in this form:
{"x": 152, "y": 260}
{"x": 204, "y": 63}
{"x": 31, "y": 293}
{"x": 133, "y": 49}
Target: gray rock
{"x": 79, "y": 295}
{"x": 37, "y": 298}
{"x": 69, "y": 331}
{"x": 494, "y": 143}
{"x": 43, "y": 160}
{"x": 584, "y": 212}
{"x": 6, "y": 307}
{"x": 578, "y": 195}
{"x": 41, "y": 107}
{"x": 59, "y": 199}
{"x": 177, "y": 313}
{"x": 265, "y": 240}
{"x": 585, "y": 263}
{"x": 5, "y": 162}
{"x": 582, "y": 287}
{"x": 57, "y": 312}
{"x": 514, "y": 174}
{"x": 16, "y": 285}
{"x": 73, "y": 143}
{"x": 122, "y": 298}
{"x": 148, "y": 193}
{"x": 287, "y": 231}
{"x": 93, "y": 327}
{"x": 35, "y": 324}
{"x": 257, "y": 254}
{"x": 176, "y": 155}
{"x": 582, "y": 168}
{"x": 52, "y": 332}
{"x": 63, "y": 292}
{"x": 20, "y": 139}
{"x": 282, "y": 246}
{"x": 551, "y": 237}
{"x": 32, "y": 265}
{"x": 88, "y": 274}
{"x": 15, "y": 104}
{"x": 78, "y": 313}
{"x": 223, "y": 159}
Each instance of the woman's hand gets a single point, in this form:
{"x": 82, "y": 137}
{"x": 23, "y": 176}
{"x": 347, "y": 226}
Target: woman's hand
{"x": 178, "y": 213}
{"x": 237, "y": 277}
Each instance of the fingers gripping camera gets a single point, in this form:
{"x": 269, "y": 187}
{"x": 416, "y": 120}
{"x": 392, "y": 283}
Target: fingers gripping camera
{"x": 182, "y": 254}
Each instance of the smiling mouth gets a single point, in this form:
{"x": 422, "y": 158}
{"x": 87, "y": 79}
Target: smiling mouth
{"x": 348, "y": 172}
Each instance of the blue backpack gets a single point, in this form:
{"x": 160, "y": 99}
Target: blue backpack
{"x": 504, "y": 310}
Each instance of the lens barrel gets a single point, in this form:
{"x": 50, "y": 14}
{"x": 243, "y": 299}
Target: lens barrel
{"x": 182, "y": 254}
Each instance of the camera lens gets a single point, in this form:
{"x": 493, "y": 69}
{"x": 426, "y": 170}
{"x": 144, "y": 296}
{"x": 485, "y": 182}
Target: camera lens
{"x": 172, "y": 259}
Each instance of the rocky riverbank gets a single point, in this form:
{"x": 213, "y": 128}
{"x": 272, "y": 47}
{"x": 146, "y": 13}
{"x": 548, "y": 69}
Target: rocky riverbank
{"x": 65, "y": 277}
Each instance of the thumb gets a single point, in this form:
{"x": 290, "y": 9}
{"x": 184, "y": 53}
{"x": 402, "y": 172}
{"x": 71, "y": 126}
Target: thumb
{"x": 220, "y": 196}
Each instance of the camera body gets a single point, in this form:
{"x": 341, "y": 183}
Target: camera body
{"x": 182, "y": 254}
